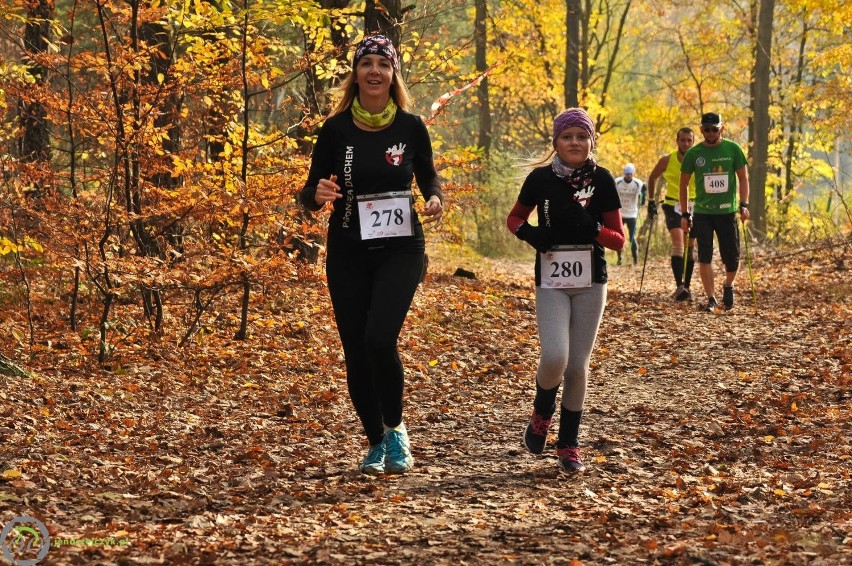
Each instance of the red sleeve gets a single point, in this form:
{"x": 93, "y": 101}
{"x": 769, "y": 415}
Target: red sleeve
{"x": 612, "y": 232}
{"x": 520, "y": 213}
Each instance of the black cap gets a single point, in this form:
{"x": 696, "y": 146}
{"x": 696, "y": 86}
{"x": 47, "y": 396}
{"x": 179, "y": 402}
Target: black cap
{"x": 711, "y": 119}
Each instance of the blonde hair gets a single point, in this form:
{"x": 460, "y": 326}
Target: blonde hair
{"x": 348, "y": 90}
{"x": 534, "y": 161}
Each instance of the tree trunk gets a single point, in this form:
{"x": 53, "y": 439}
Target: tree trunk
{"x": 481, "y": 39}
{"x": 157, "y": 40}
{"x": 384, "y": 17}
{"x": 573, "y": 19}
{"x": 35, "y": 134}
{"x": 242, "y": 333}
{"x": 795, "y": 128}
{"x": 760, "y": 116}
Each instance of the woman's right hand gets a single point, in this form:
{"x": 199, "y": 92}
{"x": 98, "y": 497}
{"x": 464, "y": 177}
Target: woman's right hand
{"x": 327, "y": 190}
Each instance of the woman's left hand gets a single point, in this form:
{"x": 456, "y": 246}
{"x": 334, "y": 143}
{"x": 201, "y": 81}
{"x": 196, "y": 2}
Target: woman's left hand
{"x": 434, "y": 210}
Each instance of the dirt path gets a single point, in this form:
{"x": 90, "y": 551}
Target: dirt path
{"x": 710, "y": 439}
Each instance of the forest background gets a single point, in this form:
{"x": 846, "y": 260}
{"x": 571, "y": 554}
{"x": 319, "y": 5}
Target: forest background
{"x": 170, "y": 369}
{"x": 151, "y": 150}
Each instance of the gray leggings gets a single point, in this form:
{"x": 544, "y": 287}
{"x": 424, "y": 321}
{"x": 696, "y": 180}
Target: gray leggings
{"x": 568, "y": 322}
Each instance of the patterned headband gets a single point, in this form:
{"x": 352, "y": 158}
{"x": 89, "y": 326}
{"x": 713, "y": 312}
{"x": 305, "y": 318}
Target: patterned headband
{"x": 573, "y": 117}
{"x": 376, "y": 45}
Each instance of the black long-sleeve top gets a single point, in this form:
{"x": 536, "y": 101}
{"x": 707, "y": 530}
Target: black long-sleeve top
{"x": 371, "y": 162}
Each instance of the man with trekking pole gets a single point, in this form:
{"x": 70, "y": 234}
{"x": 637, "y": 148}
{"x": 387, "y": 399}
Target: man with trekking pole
{"x": 668, "y": 170}
{"x": 721, "y": 176}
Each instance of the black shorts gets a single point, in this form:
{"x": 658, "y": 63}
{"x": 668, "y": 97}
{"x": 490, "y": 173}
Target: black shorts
{"x": 725, "y": 227}
{"x": 672, "y": 217}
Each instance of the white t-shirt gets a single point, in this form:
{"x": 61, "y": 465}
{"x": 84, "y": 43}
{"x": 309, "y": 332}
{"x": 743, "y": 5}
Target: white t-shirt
{"x": 629, "y": 194}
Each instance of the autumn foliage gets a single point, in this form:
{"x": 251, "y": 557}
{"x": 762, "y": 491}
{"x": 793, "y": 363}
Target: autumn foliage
{"x": 180, "y": 383}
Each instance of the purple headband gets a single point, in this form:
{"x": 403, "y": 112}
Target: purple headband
{"x": 376, "y": 45}
{"x": 573, "y": 117}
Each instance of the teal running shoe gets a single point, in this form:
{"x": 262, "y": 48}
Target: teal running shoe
{"x": 374, "y": 461}
{"x": 398, "y": 458}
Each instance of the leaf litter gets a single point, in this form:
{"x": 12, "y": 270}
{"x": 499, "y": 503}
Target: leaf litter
{"x": 710, "y": 438}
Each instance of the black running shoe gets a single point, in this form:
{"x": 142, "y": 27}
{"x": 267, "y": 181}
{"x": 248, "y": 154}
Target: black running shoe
{"x": 712, "y": 305}
{"x": 728, "y": 297}
{"x": 535, "y": 435}
{"x": 682, "y": 294}
{"x": 569, "y": 459}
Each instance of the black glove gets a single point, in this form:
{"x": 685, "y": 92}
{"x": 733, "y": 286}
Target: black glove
{"x": 575, "y": 218}
{"x": 534, "y": 236}
{"x": 688, "y": 217}
{"x": 652, "y": 208}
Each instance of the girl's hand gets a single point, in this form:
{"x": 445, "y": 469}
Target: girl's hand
{"x": 327, "y": 190}
{"x": 434, "y": 210}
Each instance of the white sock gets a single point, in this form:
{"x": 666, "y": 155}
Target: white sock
{"x": 399, "y": 428}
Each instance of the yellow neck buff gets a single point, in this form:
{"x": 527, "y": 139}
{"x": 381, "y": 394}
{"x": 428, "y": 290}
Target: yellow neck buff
{"x": 379, "y": 120}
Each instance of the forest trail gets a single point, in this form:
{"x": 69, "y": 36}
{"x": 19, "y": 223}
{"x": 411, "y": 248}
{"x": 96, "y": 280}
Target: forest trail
{"x": 710, "y": 438}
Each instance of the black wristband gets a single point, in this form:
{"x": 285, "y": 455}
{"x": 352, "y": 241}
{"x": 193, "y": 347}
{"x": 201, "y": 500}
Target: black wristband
{"x": 743, "y": 205}
{"x": 686, "y": 216}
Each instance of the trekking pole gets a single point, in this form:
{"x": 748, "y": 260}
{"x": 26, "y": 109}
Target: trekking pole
{"x": 645, "y": 260}
{"x": 748, "y": 262}
{"x": 687, "y": 255}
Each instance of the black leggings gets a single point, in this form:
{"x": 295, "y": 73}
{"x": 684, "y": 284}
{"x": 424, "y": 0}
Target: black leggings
{"x": 371, "y": 293}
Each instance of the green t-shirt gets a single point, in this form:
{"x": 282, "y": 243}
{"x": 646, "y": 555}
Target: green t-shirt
{"x": 715, "y": 170}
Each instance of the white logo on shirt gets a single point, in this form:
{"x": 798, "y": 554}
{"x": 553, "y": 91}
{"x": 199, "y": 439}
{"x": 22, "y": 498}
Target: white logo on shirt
{"x": 394, "y": 154}
{"x": 583, "y": 196}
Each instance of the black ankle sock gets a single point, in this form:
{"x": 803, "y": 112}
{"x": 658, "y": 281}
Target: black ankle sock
{"x": 569, "y": 428}
{"x": 545, "y": 401}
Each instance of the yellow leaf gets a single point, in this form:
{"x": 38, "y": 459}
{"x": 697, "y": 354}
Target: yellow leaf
{"x": 433, "y": 363}
{"x": 768, "y": 438}
{"x": 251, "y": 384}
{"x": 794, "y": 407}
{"x": 779, "y": 492}
{"x": 11, "y": 474}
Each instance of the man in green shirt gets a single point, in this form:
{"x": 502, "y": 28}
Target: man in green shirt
{"x": 719, "y": 166}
